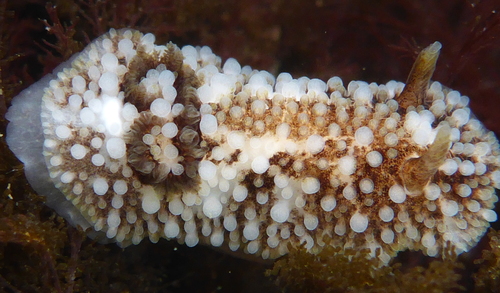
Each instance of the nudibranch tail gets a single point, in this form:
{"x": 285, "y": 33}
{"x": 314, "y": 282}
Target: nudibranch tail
{"x": 417, "y": 84}
{"x": 139, "y": 140}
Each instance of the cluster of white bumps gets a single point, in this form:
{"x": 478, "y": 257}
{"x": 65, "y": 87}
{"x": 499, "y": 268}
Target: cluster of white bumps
{"x": 288, "y": 161}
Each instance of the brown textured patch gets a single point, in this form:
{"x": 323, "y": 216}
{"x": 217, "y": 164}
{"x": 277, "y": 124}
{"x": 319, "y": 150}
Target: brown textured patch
{"x": 234, "y": 157}
{"x": 172, "y": 58}
{"x": 191, "y": 147}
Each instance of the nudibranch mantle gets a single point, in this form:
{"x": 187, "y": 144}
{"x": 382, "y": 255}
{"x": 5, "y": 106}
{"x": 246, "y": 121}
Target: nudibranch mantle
{"x": 139, "y": 140}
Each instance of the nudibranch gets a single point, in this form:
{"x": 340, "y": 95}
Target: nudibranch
{"x": 138, "y": 140}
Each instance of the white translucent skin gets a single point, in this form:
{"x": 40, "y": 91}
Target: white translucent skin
{"x": 25, "y": 139}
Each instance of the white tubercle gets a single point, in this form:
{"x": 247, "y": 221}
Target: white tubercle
{"x": 358, "y": 222}
{"x": 315, "y": 144}
{"x": 397, "y": 193}
{"x": 310, "y": 185}
{"x": 347, "y": 165}
{"x": 208, "y": 124}
{"x": 364, "y": 136}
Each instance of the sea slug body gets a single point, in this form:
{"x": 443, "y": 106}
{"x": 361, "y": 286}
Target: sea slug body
{"x": 141, "y": 140}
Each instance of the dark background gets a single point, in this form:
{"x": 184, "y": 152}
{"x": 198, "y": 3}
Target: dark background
{"x": 356, "y": 40}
